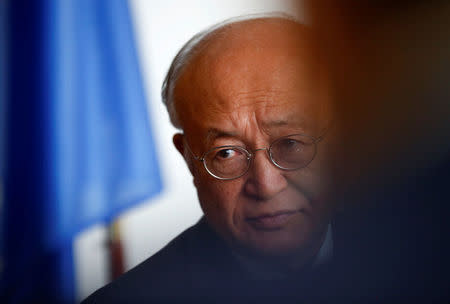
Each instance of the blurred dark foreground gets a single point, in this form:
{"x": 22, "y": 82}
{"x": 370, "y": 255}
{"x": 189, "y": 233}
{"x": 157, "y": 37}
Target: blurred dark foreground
{"x": 389, "y": 66}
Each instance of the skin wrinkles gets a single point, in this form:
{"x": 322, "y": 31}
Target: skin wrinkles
{"x": 232, "y": 94}
{"x": 273, "y": 128}
{"x": 246, "y": 98}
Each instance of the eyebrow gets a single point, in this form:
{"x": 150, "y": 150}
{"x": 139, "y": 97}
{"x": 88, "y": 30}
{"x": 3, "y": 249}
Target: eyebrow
{"x": 214, "y": 133}
{"x": 275, "y": 123}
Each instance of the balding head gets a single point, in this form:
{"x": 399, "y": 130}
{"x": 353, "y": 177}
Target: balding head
{"x": 219, "y": 42}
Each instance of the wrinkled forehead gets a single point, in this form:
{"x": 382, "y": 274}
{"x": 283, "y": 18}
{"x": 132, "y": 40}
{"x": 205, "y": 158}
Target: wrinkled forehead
{"x": 256, "y": 66}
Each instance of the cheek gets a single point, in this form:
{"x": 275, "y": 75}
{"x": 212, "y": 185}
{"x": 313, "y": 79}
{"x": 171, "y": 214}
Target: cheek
{"x": 219, "y": 200}
{"x": 311, "y": 182}
{"x": 319, "y": 172}
{"x": 315, "y": 183}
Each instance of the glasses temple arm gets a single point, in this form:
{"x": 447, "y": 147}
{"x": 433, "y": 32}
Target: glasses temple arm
{"x": 318, "y": 139}
{"x": 190, "y": 151}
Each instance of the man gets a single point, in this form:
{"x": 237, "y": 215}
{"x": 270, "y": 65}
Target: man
{"x": 252, "y": 102}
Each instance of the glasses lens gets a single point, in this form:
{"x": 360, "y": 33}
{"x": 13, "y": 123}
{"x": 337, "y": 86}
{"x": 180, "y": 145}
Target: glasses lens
{"x": 227, "y": 161}
{"x": 293, "y": 152}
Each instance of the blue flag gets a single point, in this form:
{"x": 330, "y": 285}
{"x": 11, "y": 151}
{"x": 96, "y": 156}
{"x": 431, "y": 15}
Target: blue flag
{"x": 77, "y": 143}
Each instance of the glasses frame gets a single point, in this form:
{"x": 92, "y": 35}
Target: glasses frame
{"x": 251, "y": 154}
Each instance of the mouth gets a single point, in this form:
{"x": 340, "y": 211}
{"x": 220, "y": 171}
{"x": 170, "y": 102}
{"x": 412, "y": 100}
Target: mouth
{"x": 272, "y": 221}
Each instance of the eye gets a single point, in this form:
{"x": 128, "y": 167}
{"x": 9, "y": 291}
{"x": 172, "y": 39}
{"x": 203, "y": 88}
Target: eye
{"x": 224, "y": 154}
{"x": 293, "y": 152}
{"x": 290, "y": 145}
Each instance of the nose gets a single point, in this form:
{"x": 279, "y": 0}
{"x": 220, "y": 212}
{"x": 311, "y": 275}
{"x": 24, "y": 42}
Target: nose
{"x": 264, "y": 179}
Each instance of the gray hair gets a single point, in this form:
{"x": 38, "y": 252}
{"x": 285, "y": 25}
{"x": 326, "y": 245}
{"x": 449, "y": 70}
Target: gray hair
{"x": 191, "y": 48}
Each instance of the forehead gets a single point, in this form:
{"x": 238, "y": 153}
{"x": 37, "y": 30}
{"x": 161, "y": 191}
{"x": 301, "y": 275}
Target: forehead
{"x": 264, "y": 70}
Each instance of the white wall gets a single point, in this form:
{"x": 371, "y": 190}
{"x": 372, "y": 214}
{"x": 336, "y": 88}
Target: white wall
{"x": 161, "y": 28}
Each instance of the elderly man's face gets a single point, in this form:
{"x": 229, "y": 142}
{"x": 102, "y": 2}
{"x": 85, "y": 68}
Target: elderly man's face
{"x": 248, "y": 89}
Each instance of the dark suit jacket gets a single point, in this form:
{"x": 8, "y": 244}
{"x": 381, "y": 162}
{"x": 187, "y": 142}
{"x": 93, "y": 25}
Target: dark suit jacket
{"x": 198, "y": 266}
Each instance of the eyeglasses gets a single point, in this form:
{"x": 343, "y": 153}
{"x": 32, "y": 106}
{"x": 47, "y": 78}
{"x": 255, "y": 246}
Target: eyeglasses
{"x": 288, "y": 153}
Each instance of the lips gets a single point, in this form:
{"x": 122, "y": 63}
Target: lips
{"x": 272, "y": 221}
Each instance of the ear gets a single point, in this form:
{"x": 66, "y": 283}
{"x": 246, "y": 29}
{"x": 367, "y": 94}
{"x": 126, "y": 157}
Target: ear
{"x": 179, "y": 143}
